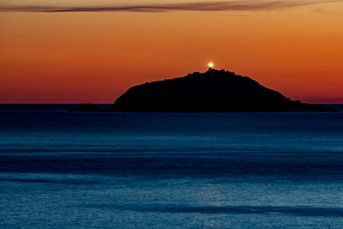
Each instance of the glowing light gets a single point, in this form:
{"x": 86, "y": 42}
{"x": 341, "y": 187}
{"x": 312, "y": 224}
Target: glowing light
{"x": 210, "y": 65}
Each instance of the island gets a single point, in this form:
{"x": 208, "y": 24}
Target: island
{"x": 211, "y": 91}
{"x": 86, "y": 107}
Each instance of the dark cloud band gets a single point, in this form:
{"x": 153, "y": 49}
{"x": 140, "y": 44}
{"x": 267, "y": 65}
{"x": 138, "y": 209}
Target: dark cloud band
{"x": 195, "y": 6}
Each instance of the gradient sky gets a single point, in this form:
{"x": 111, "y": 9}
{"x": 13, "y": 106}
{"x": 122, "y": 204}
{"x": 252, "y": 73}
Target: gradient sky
{"x": 93, "y": 51}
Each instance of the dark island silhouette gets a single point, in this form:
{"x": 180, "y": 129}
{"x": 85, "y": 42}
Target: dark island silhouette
{"x": 211, "y": 91}
{"x": 86, "y": 107}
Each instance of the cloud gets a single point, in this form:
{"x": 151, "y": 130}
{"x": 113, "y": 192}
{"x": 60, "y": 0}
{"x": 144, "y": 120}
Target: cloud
{"x": 193, "y": 6}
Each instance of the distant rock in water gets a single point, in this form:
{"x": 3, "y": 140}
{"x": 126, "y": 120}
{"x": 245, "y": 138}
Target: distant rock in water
{"x": 86, "y": 107}
{"x": 212, "y": 91}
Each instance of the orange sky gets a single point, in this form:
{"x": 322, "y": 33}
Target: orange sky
{"x": 78, "y": 57}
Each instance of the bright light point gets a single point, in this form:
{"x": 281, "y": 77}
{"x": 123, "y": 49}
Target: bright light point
{"x": 210, "y": 65}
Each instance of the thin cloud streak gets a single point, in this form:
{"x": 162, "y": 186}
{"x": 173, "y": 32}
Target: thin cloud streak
{"x": 194, "y": 6}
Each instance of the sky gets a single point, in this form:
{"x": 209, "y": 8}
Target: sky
{"x": 93, "y": 51}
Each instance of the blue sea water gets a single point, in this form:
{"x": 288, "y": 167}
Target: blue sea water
{"x": 63, "y": 169}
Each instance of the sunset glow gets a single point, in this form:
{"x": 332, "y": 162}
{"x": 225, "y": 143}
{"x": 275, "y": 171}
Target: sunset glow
{"x": 85, "y": 52}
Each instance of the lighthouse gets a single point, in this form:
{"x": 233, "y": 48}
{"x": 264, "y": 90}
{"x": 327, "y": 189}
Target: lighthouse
{"x": 210, "y": 68}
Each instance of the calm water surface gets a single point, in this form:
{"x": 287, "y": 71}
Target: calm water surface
{"x": 170, "y": 170}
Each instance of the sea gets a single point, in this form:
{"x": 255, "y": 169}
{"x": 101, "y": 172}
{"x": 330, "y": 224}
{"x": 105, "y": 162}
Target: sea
{"x": 61, "y": 169}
